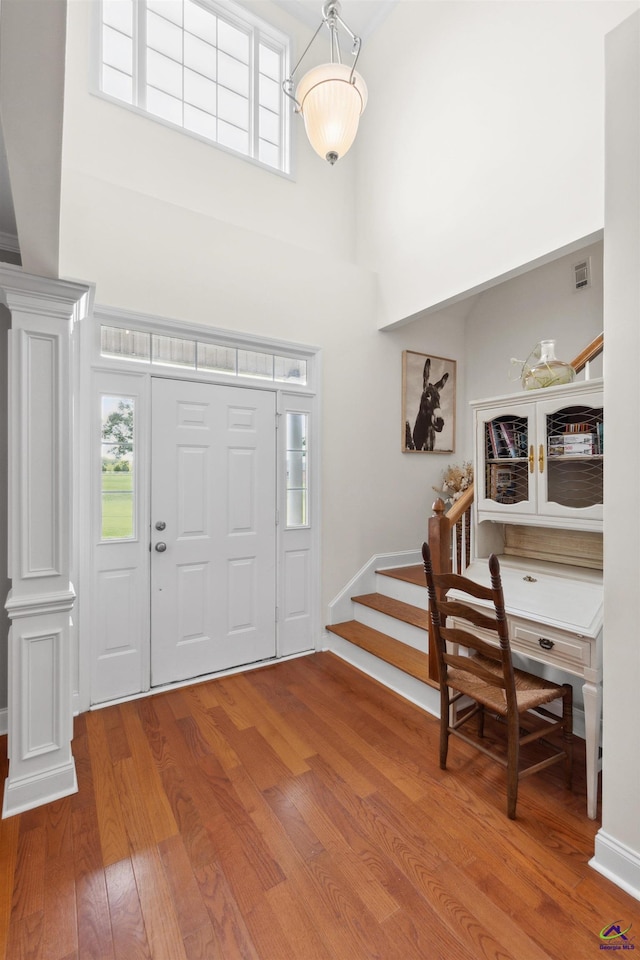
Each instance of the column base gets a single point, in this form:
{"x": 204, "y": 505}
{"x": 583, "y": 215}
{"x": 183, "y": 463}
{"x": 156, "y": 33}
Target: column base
{"x": 44, "y": 787}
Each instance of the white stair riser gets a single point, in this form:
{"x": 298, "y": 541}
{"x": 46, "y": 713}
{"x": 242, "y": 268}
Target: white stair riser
{"x": 424, "y": 696}
{"x": 398, "y": 629}
{"x": 402, "y": 590}
{"x": 364, "y": 582}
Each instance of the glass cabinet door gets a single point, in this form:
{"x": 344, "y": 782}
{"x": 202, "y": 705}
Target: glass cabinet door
{"x": 541, "y": 458}
{"x": 505, "y": 470}
{"x": 570, "y": 458}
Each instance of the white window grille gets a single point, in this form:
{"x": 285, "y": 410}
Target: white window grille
{"x": 213, "y": 69}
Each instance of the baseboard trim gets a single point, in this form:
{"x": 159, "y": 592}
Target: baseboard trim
{"x": 205, "y": 678}
{"x": 341, "y": 607}
{"x": 30, "y": 792}
{"x": 4, "y": 721}
{"x": 617, "y": 862}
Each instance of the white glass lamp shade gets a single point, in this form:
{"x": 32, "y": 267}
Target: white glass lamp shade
{"x": 331, "y": 106}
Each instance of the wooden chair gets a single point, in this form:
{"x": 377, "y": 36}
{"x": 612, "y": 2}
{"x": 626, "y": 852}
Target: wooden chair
{"x": 488, "y": 677}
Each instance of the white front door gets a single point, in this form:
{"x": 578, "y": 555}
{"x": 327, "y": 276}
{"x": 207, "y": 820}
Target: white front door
{"x": 213, "y": 528}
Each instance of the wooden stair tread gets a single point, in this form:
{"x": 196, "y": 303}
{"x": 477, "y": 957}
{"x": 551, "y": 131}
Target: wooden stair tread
{"x": 411, "y": 574}
{"x": 407, "y": 612}
{"x": 398, "y": 654}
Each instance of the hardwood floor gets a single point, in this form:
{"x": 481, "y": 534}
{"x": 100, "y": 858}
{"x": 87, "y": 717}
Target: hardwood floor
{"x": 297, "y": 811}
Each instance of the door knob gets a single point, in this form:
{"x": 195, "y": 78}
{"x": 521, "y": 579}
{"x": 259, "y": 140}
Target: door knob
{"x": 161, "y": 547}
{"x": 160, "y": 525}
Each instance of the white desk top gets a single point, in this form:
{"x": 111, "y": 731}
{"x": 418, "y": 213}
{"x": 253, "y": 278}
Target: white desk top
{"x": 567, "y": 597}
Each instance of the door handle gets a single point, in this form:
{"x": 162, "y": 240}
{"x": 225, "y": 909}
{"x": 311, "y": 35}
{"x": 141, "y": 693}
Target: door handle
{"x": 160, "y": 525}
{"x": 161, "y": 547}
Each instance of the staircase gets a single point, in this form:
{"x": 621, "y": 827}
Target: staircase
{"x": 380, "y": 621}
{"x": 391, "y": 624}
{"x": 381, "y": 616}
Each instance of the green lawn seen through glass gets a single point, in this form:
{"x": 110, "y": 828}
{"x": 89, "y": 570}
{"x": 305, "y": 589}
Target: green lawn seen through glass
{"x": 117, "y": 505}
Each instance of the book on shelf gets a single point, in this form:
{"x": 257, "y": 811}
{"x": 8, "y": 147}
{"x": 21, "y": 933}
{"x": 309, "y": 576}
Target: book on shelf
{"x": 556, "y": 446}
{"x": 494, "y": 446}
{"x": 508, "y": 436}
{"x": 522, "y": 439}
{"x": 502, "y": 483}
{"x": 577, "y": 428}
{"x": 573, "y": 444}
{"x": 501, "y": 443}
{"x": 578, "y": 444}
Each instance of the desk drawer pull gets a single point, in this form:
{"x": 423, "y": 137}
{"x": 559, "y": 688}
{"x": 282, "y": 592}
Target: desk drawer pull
{"x": 546, "y": 644}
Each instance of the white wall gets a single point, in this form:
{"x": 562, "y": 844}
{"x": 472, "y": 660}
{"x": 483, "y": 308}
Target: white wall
{"x": 32, "y": 40}
{"x": 371, "y": 491}
{"x": 482, "y": 142}
{"x": 618, "y": 841}
{"x": 5, "y": 323}
{"x": 509, "y": 319}
{"x": 169, "y": 226}
{"x": 114, "y": 146}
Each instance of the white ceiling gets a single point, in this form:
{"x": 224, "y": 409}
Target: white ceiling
{"x": 7, "y": 214}
{"x": 361, "y": 16}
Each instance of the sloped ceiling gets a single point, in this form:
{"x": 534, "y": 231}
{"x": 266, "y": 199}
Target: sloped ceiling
{"x": 362, "y": 16}
{"x": 8, "y": 229}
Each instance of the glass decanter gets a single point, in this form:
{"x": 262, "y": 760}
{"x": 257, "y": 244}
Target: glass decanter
{"x": 548, "y": 371}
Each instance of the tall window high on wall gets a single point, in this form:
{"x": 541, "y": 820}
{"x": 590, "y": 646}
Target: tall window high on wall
{"x": 213, "y": 69}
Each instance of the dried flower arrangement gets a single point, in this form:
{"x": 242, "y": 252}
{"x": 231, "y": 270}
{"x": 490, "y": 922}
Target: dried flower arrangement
{"x": 455, "y": 480}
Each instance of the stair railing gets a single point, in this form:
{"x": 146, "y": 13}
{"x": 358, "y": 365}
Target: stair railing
{"x": 590, "y": 352}
{"x": 451, "y": 544}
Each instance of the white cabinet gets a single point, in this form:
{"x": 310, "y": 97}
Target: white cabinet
{"x": 539, "y": 457}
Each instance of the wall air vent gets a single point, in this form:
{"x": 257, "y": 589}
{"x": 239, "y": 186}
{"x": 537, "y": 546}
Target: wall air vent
{"x": 582, "y": 274}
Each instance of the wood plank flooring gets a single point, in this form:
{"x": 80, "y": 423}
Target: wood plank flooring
{"x": 297, "y": 812}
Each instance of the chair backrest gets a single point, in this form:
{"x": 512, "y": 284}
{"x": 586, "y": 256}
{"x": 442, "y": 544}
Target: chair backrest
{"x": 494, "y": 621}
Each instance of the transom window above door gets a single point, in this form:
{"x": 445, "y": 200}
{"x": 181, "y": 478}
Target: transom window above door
{"x": 189, "y": 354}
{"x": 213, "y": 69}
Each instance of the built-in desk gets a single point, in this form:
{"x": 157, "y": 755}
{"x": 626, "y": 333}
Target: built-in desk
{"x": 555, "y": 618}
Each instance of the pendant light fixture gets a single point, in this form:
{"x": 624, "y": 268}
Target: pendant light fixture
{"x": 330, "y": 97}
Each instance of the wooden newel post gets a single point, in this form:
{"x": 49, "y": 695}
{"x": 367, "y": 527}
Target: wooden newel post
{"x": 439, "y": 536}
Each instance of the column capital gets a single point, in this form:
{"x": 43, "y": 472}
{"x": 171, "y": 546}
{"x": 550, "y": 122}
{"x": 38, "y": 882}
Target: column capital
{"x": 24, "y": 293}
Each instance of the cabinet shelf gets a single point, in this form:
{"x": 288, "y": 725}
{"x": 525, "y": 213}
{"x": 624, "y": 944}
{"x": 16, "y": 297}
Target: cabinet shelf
{"x": 574, "y": 457}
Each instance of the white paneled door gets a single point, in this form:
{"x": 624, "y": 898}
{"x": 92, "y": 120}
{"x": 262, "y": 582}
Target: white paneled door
{"x": 213, "y": 528}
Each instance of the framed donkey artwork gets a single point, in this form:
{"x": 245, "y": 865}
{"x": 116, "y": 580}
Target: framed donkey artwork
{"x": 428, "y": 403}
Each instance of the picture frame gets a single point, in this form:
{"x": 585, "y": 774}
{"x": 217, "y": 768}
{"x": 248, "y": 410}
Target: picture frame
{"x": 428, "y": 403}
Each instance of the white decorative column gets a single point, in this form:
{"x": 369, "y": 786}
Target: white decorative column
{"x": 40, "y": 716}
